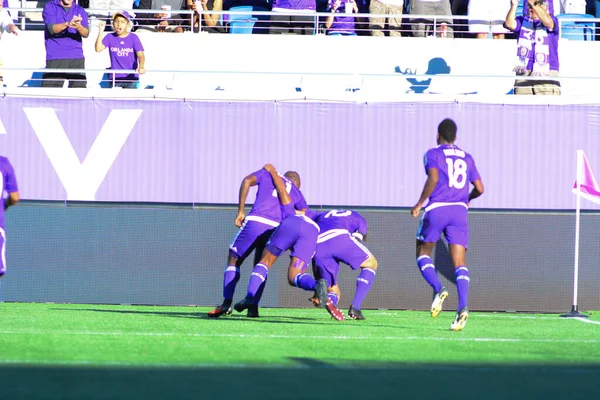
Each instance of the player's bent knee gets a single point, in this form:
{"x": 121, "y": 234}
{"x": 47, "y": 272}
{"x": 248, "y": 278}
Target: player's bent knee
{"x": 370, "y": 262}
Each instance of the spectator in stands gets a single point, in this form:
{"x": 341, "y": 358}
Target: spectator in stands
{"x": 377, "y": 24}
{"x": 288, "y": 20}
{"x": 125, "y": 50}
{"x": 537, "y": 47}
{"x": 65, "y": 26}
{"x": 6, "y": 25}
{"x": 166, "y": 20}
{"x": 341, "y": 21}
{"x": 486, "y": 15}
{"x": 422, "y": 27}
{"x": 211, "y": 22}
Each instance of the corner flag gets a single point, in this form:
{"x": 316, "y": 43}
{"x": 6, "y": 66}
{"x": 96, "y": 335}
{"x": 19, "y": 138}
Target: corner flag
{"x": 585, "y": 187}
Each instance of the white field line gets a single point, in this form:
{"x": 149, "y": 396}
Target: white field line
{"x": 509, "y": 316}
{"x": 299, "y": 337}
{"x": 589, "y": 321}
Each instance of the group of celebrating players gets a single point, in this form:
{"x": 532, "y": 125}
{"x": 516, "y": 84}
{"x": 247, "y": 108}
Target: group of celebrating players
{"x": 280, "y": 220}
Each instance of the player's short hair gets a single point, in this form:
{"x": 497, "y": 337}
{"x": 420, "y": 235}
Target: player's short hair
{"x": 447, "y": 130}
{"x": 294, "y": 177}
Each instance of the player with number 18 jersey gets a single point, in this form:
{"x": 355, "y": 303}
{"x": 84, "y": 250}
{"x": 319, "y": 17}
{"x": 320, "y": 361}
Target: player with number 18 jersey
{"x": 447, "y": 204}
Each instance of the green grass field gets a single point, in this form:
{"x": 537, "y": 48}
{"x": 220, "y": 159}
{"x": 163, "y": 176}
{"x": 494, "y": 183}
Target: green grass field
{"x": 72, "y": 351}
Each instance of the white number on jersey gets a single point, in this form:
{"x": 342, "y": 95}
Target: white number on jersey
{"x": 457, "y": 173}
{"x": 338, "y": 213}
{"x": 288, "y": 188}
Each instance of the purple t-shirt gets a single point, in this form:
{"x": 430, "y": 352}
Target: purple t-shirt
{"x": 123, "y": 53}
{"x": 342, "y": 23}
{"x": 342, "y": 219}
{"x": 66, "y": 44}
{"x": 8, "y": 182}
{"x": 456, "y": 170}
{"x": 295, "y": 4}
{"x": 549, "y": 38}
{"x": 267, "y": 203}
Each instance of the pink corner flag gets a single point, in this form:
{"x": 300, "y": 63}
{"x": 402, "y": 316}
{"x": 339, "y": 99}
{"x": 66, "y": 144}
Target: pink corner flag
{"x": 588, "y": 186}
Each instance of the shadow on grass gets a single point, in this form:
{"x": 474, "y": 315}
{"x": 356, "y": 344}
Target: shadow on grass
{"x": 235, "y": 317}
{"x": 309, "y": 379}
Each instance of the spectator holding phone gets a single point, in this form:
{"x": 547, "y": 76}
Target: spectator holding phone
{"x": 341, "y": 22}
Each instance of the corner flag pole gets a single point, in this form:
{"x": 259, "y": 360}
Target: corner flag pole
{"x": 574, "y": 313}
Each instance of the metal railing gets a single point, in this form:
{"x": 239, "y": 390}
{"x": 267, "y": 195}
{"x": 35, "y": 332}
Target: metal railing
{"x": 433, "y": 25}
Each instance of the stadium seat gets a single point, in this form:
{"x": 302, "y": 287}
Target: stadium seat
{"x": 241, "y": 23}
{"x": 34, "y": 81}
{"x": 520, "y": 7}
{"x": 576, "y": 27}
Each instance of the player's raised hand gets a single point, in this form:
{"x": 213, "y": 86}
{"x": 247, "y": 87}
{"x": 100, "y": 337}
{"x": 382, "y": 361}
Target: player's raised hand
{"x": 102, "y": 26}
{"x": 239, "y": 219}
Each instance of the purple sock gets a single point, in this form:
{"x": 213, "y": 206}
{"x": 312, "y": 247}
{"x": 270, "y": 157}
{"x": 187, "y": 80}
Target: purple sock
{"x": 259, "y": 292}
{"x": 429, "y": 273}
{"x": 258, "y": 277}
{"x": 462, "y": 284}
{"x": 305, "y": 281}
{"x": 230, "y": 280}
{"x": 334, "y": 298}
{"x": 363, "y": 285}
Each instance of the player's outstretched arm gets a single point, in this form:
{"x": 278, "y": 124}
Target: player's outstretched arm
{"x": 430, "y": 184}
{"x": 284, "y": 197}
{"x": 245, "y": 186}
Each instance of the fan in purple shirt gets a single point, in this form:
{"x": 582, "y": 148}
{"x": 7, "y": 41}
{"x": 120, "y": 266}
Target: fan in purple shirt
{"x": 255, "y": 230}
{"x": 298, "y": 233}
{"x": 8, "y": 187}
{"x": 449, "y": 171}
{"x": 66, "y": 24}
{"x": 340, "y": 241}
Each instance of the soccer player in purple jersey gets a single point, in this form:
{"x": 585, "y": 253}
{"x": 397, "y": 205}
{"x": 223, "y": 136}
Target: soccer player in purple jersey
{"x": 340, "y": 241}
{"x": 255, "y": 230}
{"x": 9, "y": 188}
{"x": 298, "y": 233}
{"x": 449, "y": 171}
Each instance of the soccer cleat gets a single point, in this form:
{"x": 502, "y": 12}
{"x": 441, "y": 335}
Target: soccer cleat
{"x": 438, "y": 301}
{"x": 315, "y": 300}
{"x": 321, "y": 290}
{"x": 333, "y": 311}
{"x": 460, "y": 320}
{"x": 242, "y": 305}
{"x": 252, "y": 311}
{"x": 354, "y": 313}
{"x": 220, "y": 310}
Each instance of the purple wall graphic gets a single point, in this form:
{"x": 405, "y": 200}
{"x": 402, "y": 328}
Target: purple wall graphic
{"x": 351, "y": 154}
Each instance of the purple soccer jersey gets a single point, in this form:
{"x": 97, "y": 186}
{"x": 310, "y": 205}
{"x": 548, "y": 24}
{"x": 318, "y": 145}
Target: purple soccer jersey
{"x": 123, "y": 53}
{"x": 298, "y": 233}
{"x": 265, "y": 216}
{"x": 343, "y": 23}
{"x": 447, "y": 208}
{"x": 456, "y": 170}
{"x": 68, "y": 43}
{"x": 267, "y": 203}
{"x": 8, "y": 181}
{"x": 336, "y": 243}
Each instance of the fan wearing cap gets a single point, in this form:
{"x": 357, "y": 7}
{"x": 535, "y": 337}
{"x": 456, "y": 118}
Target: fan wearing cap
{"x": 125, "y": 49}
